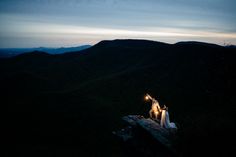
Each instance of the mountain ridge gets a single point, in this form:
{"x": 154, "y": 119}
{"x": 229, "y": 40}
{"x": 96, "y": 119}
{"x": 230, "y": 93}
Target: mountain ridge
{"x": 11, "y": 52}
{"x": 133, "y": 43}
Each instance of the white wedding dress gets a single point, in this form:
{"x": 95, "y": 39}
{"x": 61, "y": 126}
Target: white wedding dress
{"x": 165, "y": 120}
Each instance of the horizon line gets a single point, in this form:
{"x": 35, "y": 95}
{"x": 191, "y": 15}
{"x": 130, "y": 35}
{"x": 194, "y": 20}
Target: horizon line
{"x": 80, "y": 45}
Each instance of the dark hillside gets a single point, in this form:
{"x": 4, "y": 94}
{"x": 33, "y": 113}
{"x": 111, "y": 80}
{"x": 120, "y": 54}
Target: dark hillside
{"x": 68, "y": 104}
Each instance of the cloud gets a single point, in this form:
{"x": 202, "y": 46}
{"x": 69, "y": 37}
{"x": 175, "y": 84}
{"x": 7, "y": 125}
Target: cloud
{"x": 168, "y": 20}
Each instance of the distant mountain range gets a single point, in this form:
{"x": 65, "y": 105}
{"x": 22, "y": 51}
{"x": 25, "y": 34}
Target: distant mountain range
{"x": 10, "y": 52}
{"x": 68, "y": 104}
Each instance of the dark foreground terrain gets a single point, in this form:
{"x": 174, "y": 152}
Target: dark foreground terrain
{"x": 68, "y": 104}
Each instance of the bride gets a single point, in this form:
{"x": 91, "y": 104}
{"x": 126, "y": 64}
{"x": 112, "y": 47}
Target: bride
{"x": 165, "y": 120}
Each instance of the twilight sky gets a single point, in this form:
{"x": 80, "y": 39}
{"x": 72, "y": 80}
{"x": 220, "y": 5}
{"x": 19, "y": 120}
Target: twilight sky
{"x": 56, "y": 23}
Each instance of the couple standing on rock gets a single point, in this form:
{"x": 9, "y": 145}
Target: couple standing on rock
{"x": 162, "y": 114}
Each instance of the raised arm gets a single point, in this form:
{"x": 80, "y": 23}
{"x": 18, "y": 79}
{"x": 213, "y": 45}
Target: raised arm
{"x": 149, "y": 97}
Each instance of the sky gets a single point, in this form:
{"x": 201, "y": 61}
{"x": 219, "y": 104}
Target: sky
{"x": 65, "y": 23}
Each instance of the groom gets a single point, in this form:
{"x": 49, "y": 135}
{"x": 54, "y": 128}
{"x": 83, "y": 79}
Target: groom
{"x": 155, "y": 111}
